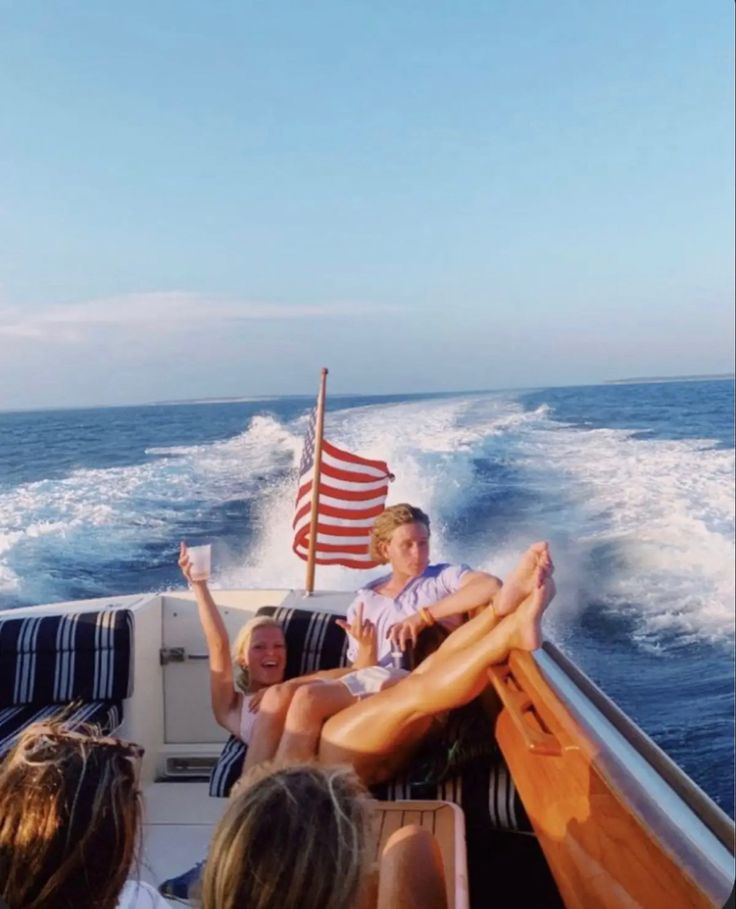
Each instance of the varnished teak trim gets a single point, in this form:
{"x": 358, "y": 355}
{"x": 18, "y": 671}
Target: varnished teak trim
{"x": 606, "y": 843}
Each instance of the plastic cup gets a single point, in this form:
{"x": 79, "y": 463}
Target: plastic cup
{"x": 396, "y": 657}
{"x": 201, "y": 560}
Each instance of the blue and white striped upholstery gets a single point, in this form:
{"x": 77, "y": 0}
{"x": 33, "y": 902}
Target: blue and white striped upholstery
{"x": 228, "y": 768}
{"x": 55, "y": 659}
{"x": 102, "y": 717}
{"x": 484, "y": 789}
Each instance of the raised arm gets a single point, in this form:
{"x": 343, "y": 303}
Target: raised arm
{"x": 226, "y": 702}
{"x": 477, "y": 589}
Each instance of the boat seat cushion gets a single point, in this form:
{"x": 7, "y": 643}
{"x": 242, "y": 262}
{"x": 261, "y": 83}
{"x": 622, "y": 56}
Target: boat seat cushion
{"x": 483, "y": 788}
{"x": 55, "y": 659}
{"x": 102, "y": 716}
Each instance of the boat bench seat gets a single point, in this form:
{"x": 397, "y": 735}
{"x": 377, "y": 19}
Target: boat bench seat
{"x": 481, "y": 785}
{"x": 75, "y": 665}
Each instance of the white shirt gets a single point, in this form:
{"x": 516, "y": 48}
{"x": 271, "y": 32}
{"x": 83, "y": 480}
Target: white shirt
{"x": 140, "y": 895}
{"x": 435, "y": 583}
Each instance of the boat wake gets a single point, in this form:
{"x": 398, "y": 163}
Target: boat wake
{"x": 642, "y": 527}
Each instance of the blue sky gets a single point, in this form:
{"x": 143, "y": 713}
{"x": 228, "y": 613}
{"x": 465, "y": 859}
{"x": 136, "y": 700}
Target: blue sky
{"x": 217, "y": 199}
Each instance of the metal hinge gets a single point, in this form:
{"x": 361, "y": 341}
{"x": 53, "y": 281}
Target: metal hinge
{"x": 178, "y": 655}
{"x": 172, "y": 655}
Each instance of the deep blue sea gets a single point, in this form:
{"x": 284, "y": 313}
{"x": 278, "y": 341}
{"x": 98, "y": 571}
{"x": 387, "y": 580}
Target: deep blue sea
{"x": 633, "y": 485}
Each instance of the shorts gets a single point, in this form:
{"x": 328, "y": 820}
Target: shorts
{"x": 364, "y": 682}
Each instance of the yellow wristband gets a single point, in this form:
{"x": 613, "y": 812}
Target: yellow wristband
{"x": 427, "y": 616}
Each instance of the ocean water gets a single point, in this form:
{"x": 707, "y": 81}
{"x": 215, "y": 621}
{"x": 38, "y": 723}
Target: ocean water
{"x": 633, "y": 485}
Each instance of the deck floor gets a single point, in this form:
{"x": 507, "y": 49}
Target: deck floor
{"x": 178, "y": 823}
{"x": 180, "y": 818}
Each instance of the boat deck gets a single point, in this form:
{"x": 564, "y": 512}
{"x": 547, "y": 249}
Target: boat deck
{"x": 180, "y": 818}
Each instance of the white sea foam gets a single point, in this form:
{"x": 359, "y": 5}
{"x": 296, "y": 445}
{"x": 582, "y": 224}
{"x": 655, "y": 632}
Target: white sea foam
{"x": 662, "y": 511}
{"x": 644, "y": 527}
{"x": 433, "y": 467}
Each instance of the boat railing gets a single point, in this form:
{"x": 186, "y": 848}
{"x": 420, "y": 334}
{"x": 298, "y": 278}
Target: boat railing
{"x": 711, "y": 815}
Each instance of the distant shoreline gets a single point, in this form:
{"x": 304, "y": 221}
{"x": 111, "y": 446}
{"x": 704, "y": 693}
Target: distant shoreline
{"x": 642, "y": 380}
{"x": 224, "y": 399}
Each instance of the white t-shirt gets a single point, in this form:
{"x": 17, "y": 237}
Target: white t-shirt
{"x": 435, "y": 583}
{"x": 140, "y": 895}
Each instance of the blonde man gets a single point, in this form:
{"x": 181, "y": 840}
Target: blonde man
{"x": 415, "y": 594}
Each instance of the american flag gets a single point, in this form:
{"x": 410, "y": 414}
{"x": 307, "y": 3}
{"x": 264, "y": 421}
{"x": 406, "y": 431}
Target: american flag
{"x": 352, "y": 492}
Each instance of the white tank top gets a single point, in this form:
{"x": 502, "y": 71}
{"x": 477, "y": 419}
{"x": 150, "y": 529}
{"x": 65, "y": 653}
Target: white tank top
{"x": 247, "y": 719}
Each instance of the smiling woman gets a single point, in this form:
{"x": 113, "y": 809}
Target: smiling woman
{"x": 258, "y": 656}
{"x": 258, "y": 653}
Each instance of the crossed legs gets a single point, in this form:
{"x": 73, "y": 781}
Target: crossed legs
{"x": 391, "y": 724}
{"x": 294, "y": 714}
{"x": 290, "y": 717}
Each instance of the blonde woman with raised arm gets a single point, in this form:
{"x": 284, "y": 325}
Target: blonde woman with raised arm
{"x": 240, "y": 676}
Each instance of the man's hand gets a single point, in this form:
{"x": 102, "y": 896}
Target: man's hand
{"x": 361, "y": 630}
{"x": 404, "y": 632}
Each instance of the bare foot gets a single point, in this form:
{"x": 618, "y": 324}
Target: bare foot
{"x": 527, "y": 635}
{"x": 523, "y": 579}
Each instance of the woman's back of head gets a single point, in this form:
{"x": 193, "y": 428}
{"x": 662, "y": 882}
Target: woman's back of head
{"x": 69, "y": 819}
{"x": 294, "y": 838}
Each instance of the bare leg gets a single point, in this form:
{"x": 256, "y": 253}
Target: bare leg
{"x": 534, "y": 566}
{"x": 390, "y": 725}
{"x": 269, "y": 723}
{"x": 311, "y": 705}
{"x": 411, "y": 874}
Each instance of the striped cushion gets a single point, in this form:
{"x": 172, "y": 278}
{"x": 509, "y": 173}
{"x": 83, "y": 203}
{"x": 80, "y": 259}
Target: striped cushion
{"x": 228, "y": 768}
{"x": 314, "y": 640}
{"x": 102, "y": 717}
{"x": 54, "y": 659}
{"x": 484, "y": 789}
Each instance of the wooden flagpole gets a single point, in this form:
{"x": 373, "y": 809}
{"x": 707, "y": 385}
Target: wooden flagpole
{"x": 316, "y": 471}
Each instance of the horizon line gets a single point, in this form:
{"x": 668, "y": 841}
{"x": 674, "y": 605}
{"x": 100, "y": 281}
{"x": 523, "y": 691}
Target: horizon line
{"x": 238, "y": 399}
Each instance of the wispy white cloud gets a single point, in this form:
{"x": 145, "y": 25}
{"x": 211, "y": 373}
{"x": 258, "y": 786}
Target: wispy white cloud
{"x": 167, "y": 311}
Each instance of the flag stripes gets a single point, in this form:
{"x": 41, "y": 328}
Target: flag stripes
{"x": 352, "y": 492}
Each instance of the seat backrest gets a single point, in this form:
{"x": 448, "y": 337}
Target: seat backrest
{"x": 54, "y": 659}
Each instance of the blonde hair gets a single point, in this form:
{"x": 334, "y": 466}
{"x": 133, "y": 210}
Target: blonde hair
{"x": 69, "y": 818}
{"x": 293, "y": 838}
{"x": 386, "y": 522}
{"x": 242, "y": 643}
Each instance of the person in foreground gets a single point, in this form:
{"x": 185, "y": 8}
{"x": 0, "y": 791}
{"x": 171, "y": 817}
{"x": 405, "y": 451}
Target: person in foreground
{"x": 300, "y": 837}
{"x": 69, "y": 822}
{"x": 379, "y": 734}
